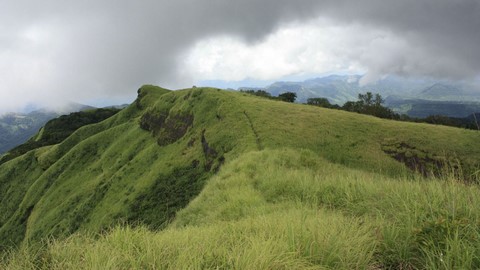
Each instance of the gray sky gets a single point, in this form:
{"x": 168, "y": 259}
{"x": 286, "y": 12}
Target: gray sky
{"x": 52, "y": 51}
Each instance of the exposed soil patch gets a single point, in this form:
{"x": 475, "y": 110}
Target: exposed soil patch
{"x": 416, "y": 159}
{"x": 153, "y": 121}
{"x": 210, "y": 155}
{"x": 166, "y": 128}
{"x": 255, "y": 133}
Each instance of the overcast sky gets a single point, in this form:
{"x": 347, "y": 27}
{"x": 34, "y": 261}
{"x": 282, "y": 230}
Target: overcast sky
{"x": 52, "y": 50}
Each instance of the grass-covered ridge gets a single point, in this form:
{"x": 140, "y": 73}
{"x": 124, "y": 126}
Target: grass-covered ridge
{"x": 290, "y": 209}
{"x": 277, "y": 163}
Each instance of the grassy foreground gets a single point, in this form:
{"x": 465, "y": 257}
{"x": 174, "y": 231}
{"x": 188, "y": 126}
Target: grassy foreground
{"x": 290, "y": 209}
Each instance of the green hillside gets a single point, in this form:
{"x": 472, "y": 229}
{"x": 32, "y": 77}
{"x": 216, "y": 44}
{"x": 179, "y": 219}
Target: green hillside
{"x": 205, "y": 178}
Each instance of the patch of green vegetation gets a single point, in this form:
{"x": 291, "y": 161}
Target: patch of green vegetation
{"x": 157, "y": 206}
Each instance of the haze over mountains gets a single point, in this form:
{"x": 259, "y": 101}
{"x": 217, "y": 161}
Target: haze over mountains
{"x": 16, "y": 128}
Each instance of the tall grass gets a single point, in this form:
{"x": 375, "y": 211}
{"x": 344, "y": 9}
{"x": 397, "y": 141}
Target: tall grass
{"x": 291, "y": 209}
{"x": 413, "y": 219}
{"x": 295, "y": 239}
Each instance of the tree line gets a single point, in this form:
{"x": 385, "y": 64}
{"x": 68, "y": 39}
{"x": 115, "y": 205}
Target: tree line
{"x": 367, "y": 103}
{"x": 371, "y": 104}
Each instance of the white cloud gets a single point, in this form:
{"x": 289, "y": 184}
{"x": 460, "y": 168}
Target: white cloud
{"x": 27, "y": 68}
{"x": 317, "y": 47}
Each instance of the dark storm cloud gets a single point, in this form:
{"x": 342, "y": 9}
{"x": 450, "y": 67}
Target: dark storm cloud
{"x": 445, "y": 31}
{"x": 87, "y": 48}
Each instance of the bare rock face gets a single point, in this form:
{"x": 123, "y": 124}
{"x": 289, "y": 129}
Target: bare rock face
{"x": 167, "y": 128}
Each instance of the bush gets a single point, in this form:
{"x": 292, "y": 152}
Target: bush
{"x": 287, "y": 97}
{"x": 320, "y": 102}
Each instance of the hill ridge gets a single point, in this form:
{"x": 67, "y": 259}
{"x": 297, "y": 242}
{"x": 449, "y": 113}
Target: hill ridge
{"x": 144, "y": 164}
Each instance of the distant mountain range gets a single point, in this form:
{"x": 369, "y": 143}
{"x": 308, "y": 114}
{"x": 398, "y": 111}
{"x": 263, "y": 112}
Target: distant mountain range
{"x": 17, "y": 128}
{"x": 414, "y": 97}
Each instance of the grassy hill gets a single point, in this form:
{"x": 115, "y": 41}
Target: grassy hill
{"x": 204, "y": 178}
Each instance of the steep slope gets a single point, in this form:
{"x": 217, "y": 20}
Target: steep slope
{"x": 115, "y": 170}
{"x": 147, "y": 162}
